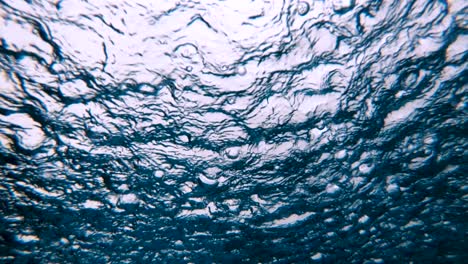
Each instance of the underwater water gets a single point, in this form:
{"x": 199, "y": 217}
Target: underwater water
{"x": 236, "y": 131}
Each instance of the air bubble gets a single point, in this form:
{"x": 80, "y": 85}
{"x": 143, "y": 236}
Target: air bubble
{"x": 233, "y": 153}
{"x": 231, "y": 100}
{"x": 365, "y": 168}
{"x": 179, "y": 244}
{"x": 187, "y": 50}
{"x": 303, "y": 8}
{"x": 64, "y": 241}
{"x": 184, "y": 138}
{"x": 159, "y": 173}
{"x": 241, "y": 70}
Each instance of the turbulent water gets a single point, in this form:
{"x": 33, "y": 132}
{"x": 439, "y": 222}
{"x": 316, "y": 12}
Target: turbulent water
{"x": 233, "y": 131}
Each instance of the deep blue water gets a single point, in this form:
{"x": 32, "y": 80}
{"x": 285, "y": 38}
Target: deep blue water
{"x": 233, "y": 131}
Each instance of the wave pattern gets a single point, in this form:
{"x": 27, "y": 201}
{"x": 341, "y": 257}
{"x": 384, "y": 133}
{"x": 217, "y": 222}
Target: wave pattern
{"x": 233, "y": 131}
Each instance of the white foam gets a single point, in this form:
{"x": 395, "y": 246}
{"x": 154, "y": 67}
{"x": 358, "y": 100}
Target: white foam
{"x": 128, "y": 199}
{"x": 75, "y": 89}
{"x": 364, "y": 219}
{"x": 26, "y": 238}
{"x": 187, "y": 187}
{"x": 403, "y": 113}
{"x": 346, "y": 228}
{"x": 290, "y": 220}
{"x": 123, "y": 187}
{"x": 14, "y": 218}
{"x": 317, "y": 256}
{"x": 341, "y": 154}
{"x": 90, "y": 204}
{"x": 414, "y": 224}
{"x": 211, "y": 207}
{"x": 205, "y": 212}
{"x": 184, "y": 138}
{"x": 457, "y": 49}
{"x": 159, "y": 173}
{"x": 332, "y": 188}
{"x": 31, "y": 134}
{"x": 393, "y": 188}
{"x": 232, "y": 204}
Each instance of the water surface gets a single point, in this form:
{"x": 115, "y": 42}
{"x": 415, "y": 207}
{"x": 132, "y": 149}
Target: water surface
{"x": 233, "y": 131}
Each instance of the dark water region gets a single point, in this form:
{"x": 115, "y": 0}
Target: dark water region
{"x": 314, "y": 131}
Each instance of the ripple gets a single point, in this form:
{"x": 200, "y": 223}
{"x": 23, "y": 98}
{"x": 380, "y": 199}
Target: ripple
{"x": 230, "y": 131}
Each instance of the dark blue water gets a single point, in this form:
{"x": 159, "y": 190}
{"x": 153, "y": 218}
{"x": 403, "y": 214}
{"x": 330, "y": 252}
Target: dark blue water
{"x": 233, "y": 131}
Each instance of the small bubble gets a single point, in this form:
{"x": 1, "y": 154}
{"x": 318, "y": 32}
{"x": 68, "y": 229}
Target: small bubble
{"x": 232, "y": 153}
{"x": 427, "y": 151}
{"x": 365, "y": 168}
{"x": 184, "y": 138}
{"x": 179, "y": 243}
{"x": 231, "y": 100}
{"x": 189, "y": 68}
{"x": 317, "y": 256}
{"x": 241, "y": 70}
{"x": 303, "y": 8}
{"x": 187, "y": 50}
{"x": 64, "y": 241}
{"x": 159, "y": 173}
